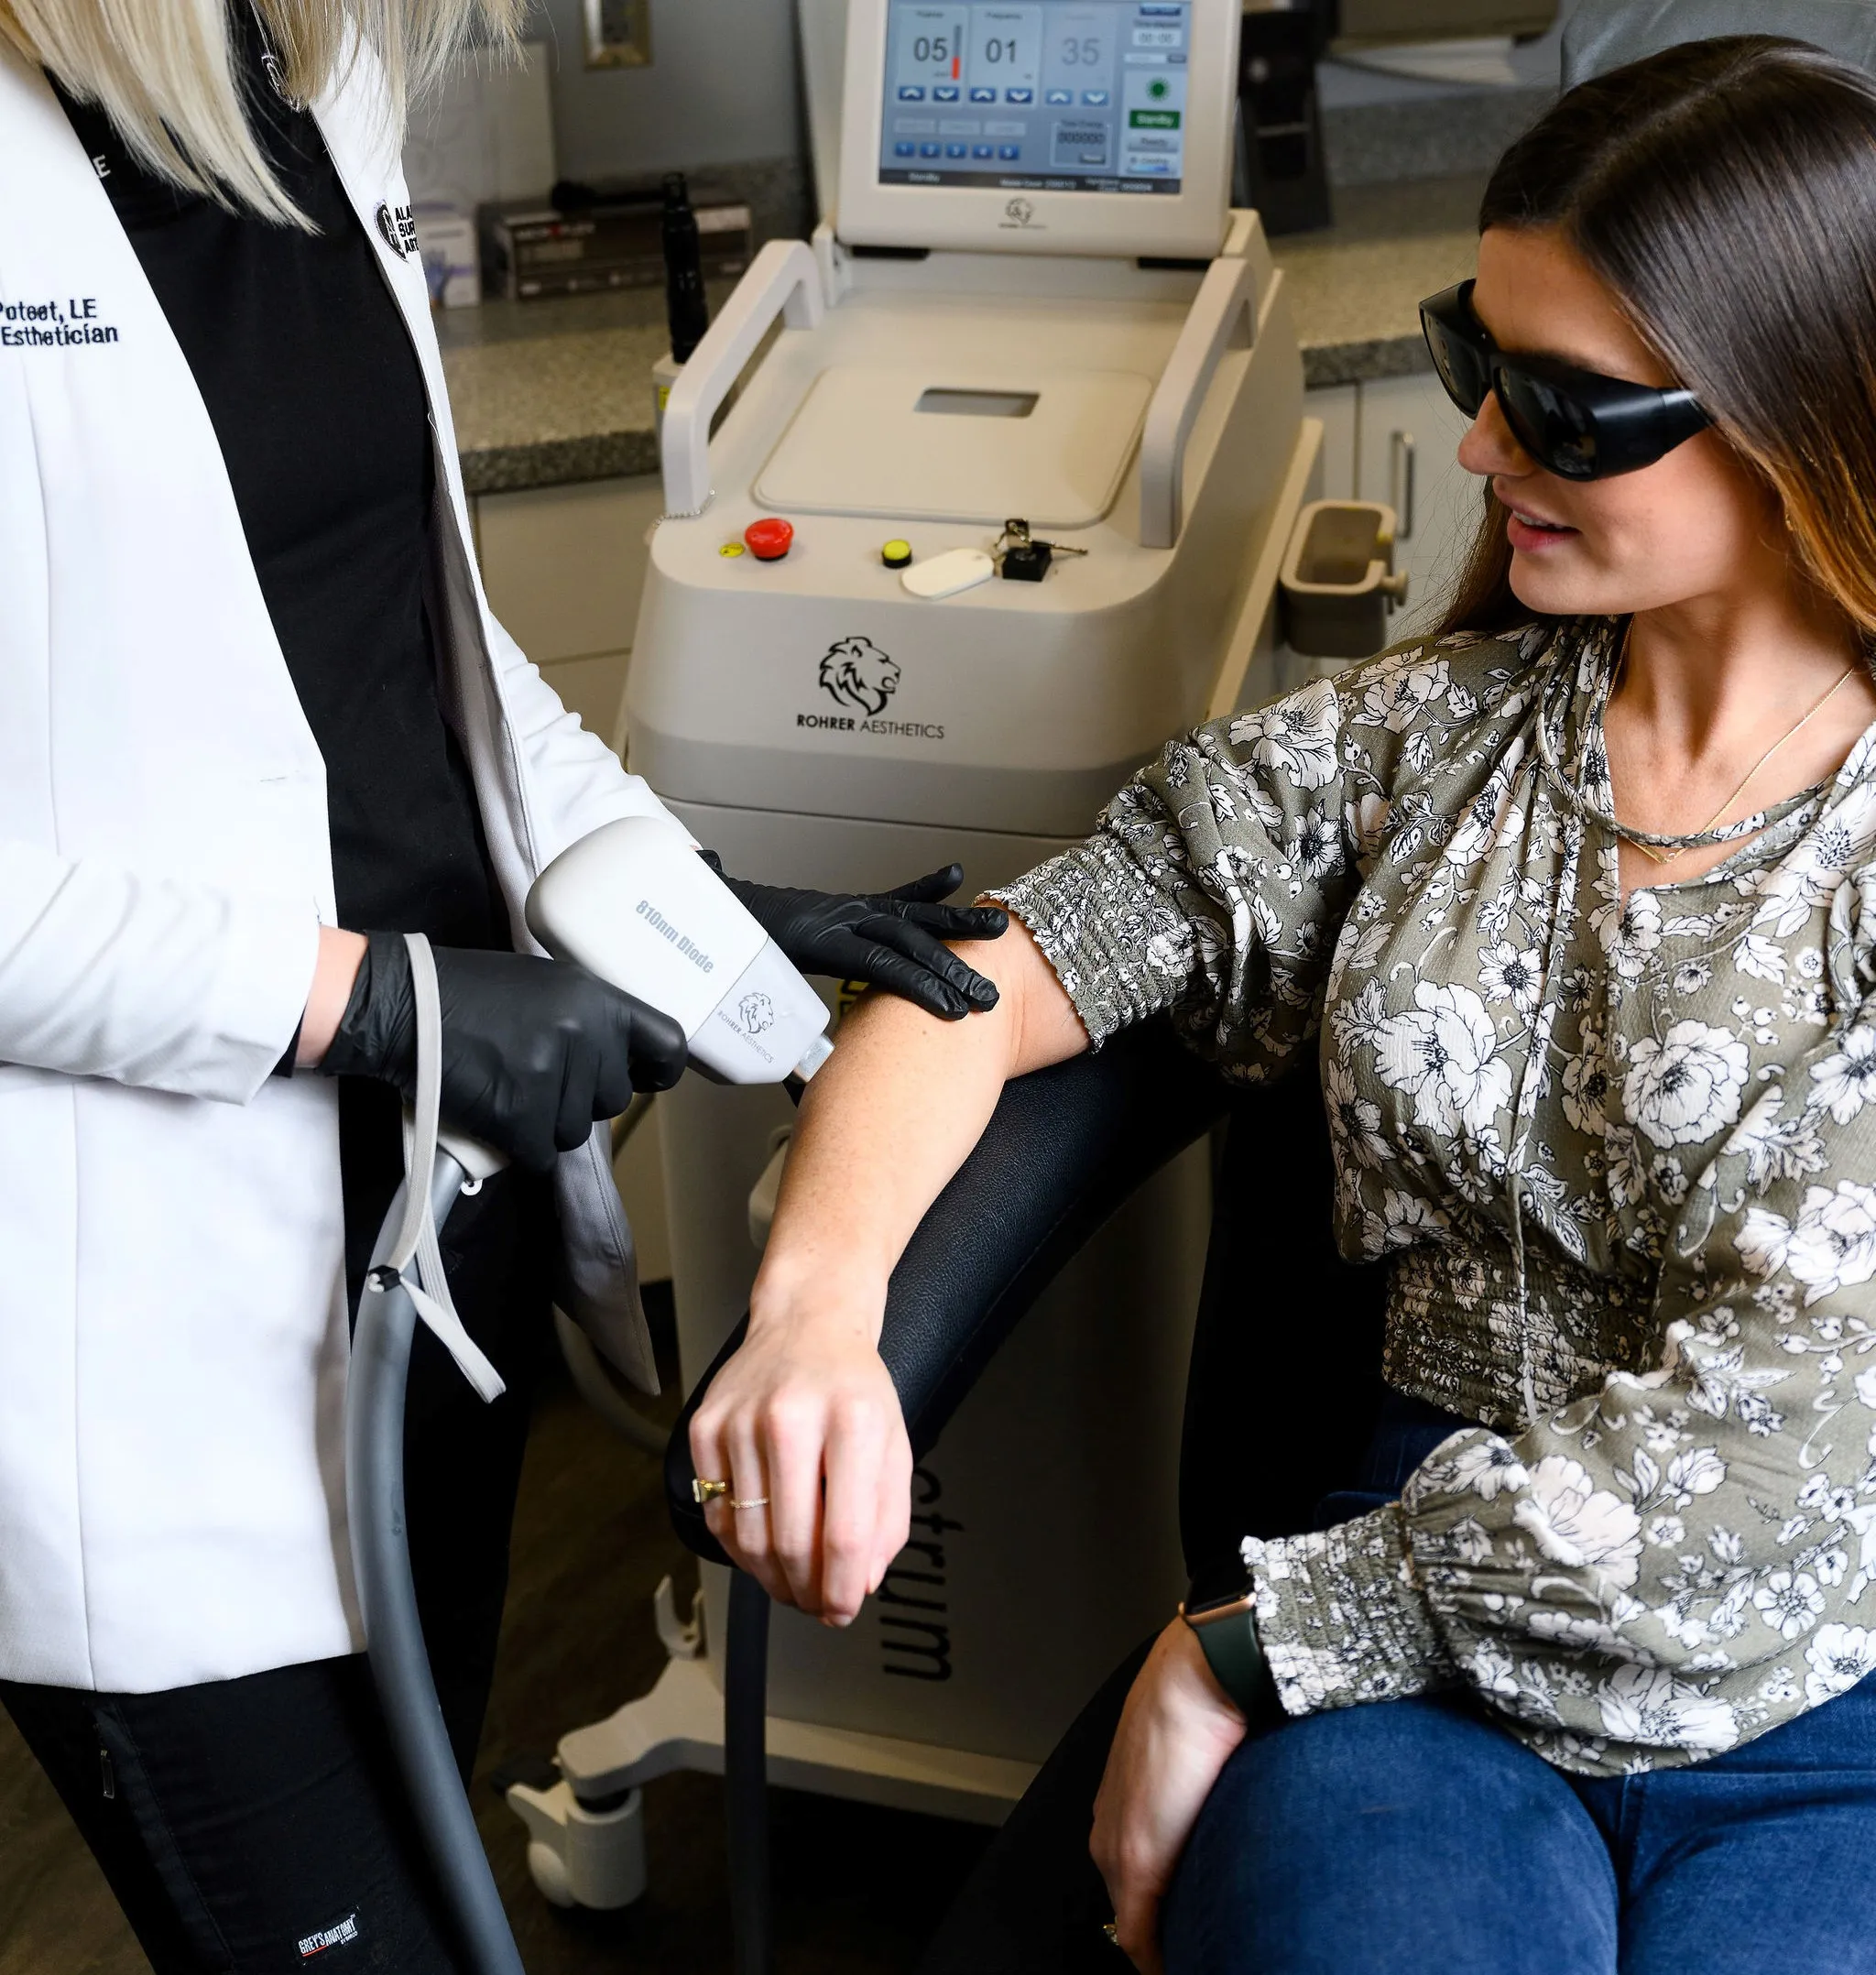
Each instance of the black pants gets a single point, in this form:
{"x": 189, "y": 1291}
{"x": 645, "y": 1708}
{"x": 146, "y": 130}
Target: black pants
{"x": 243, "y": 1822}
{"x": 257, "y": 1825}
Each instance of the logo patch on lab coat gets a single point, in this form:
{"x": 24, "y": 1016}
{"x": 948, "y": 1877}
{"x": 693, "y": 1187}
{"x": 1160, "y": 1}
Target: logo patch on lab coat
{"x": 398, "y": 229}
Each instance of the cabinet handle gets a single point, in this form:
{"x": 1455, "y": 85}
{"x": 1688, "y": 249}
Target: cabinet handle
{"x": 1404, "y": 460}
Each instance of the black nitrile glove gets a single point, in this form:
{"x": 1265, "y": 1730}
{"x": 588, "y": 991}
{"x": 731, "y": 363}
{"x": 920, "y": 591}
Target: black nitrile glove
{"x": 534, "y": 1050}
{"x": 893, "y": 939}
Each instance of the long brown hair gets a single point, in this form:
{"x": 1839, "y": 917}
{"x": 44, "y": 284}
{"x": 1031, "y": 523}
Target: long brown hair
{"x": 1725, "y": 192}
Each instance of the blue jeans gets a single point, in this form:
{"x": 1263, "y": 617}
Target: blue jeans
{"x": 1417, "y": 1837}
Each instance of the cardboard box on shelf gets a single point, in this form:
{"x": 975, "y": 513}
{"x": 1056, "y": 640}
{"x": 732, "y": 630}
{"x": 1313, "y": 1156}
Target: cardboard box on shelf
{"x": 451, "y": 262}
{"x": 532, "y": 249}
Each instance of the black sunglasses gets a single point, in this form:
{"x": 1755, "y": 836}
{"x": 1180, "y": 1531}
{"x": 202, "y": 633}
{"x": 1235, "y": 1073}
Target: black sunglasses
{"x": 1575, "y": 423}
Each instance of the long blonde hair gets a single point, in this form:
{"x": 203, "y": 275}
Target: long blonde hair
{"x": 162, "y": 70}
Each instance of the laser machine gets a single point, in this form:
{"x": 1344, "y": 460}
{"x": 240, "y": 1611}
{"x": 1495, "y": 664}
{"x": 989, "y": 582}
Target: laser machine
{"x": 1031, "y": 408}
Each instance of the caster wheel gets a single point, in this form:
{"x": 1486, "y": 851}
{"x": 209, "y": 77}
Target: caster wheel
{"x": 550, "y": 1874}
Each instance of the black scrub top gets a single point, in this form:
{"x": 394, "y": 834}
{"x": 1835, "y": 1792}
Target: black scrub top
{"x": 317, "y": 399}
{"x": 318, "y": 402}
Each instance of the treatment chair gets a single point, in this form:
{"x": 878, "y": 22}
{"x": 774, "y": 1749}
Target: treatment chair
{"x": 1065, "y": 1146}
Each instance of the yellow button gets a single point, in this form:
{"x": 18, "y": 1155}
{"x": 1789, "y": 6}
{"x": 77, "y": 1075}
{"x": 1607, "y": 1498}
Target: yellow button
{"x": 896, "y": 555}
{"x": 732, "y": 548}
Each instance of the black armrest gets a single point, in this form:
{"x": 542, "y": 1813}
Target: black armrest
{"x": 1063, "y": 1150}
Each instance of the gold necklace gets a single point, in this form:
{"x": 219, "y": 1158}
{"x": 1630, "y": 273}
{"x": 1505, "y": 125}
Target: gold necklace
{"x": 1660, "y": 856}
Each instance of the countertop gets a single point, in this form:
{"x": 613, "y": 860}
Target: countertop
{"x": 549, "y": 392}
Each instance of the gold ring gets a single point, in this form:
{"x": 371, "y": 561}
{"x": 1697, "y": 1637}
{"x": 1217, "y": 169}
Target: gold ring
{"x": 755, "y": 1502}
{"x": 702, "y": 1491}
{"x": 1111, "y": 1929}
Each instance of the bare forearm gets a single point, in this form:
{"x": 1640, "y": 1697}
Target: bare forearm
{"x": 887, "y": 1123}
{"x": 893, "y": 1115}
{"x": 340, "y": 954}
{"x": 803, "y": 1424}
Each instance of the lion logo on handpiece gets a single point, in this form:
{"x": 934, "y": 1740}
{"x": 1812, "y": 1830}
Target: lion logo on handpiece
{"x": 857, "y": 674}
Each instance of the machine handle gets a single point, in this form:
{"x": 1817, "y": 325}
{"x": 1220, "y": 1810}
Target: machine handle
{"x": 1403, "y": 472}
{"x": 1223, "y": 317}
{"x": 783, "y": 282}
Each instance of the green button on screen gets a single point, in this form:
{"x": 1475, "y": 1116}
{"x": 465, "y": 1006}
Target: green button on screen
{"x": 1153, "y": 119}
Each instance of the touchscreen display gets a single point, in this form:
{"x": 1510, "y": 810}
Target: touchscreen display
{"x": 1054, "y": 95}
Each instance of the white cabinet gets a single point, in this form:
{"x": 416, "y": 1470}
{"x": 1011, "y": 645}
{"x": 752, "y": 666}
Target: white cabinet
{"x": 1340, "y": 409}
{"x": 640, "y": 1171}
{"x": 564, "y": 567}
{"x": 1408, "y": 438}
{"x": 1396, "y": 439}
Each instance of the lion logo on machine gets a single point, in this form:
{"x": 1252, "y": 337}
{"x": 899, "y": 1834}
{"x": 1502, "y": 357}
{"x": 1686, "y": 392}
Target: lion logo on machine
{"x": 856, "y": 673}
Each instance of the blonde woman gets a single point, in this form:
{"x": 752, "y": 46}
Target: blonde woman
{"x": 255, "y": 724}
{"x": 1570, "y": 908}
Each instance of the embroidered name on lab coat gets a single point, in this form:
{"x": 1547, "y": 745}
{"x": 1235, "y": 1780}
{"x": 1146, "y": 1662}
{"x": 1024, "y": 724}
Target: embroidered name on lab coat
{"x": 53, "y": 325}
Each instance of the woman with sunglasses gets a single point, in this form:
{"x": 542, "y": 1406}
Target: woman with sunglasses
{"x": 1572, "y": 907}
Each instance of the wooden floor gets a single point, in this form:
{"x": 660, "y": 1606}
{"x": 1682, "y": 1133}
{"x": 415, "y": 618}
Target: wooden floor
{"x": 857, "y": 1889}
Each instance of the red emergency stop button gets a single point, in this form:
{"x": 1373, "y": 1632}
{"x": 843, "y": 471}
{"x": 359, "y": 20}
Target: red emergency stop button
{"x": 770, "y": 537}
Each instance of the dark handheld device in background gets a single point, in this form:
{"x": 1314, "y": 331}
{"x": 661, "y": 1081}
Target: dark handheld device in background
{"x": 1283, "y": 171}
{"x": 686, "y": 309}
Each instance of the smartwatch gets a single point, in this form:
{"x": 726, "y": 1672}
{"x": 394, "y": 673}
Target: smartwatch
{"x": 1220, "y": 1610}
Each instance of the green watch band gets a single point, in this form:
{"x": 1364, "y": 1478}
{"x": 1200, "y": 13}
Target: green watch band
{"x": 1227, "y": 1638}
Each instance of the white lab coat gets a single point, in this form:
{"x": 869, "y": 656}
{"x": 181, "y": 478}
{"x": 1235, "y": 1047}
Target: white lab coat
{"x": 172, "y": 1328}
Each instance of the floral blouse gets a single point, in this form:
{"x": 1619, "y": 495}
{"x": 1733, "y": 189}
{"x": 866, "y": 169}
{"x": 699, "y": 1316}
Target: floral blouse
{"x": 1617, "y": 1159}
